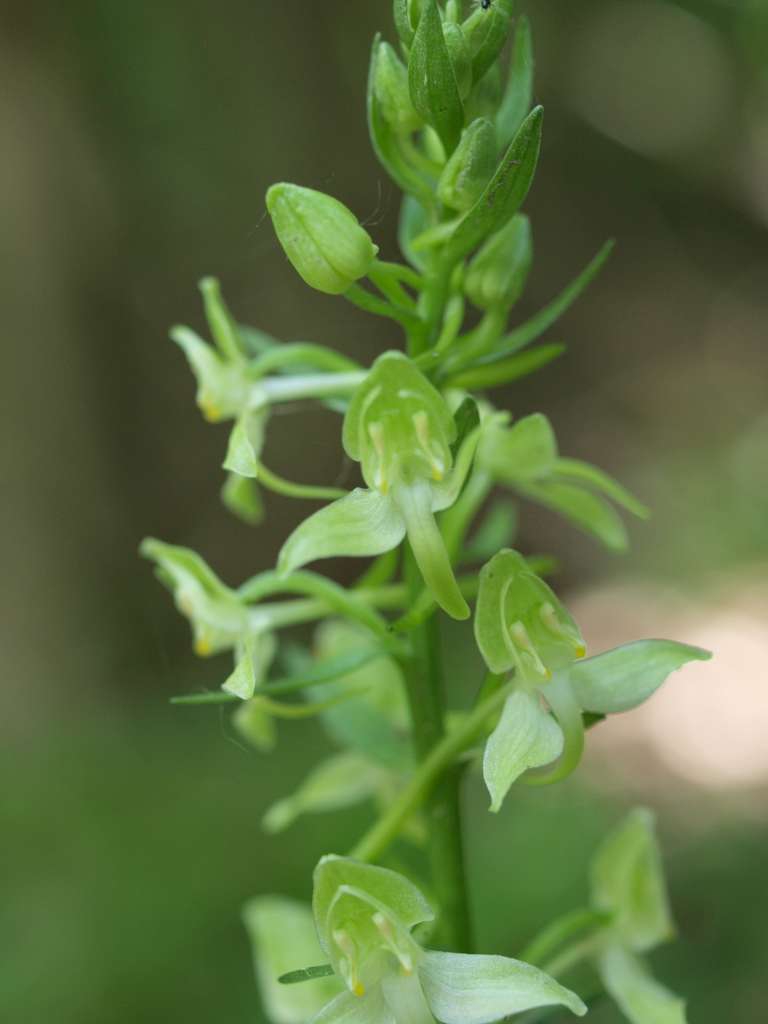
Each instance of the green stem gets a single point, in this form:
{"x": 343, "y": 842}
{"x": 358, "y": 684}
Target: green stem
{"x": 371, "y": 304}
{"x": 430, "y": 771}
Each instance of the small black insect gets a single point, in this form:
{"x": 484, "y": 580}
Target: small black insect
{"x": 486, "y": 4}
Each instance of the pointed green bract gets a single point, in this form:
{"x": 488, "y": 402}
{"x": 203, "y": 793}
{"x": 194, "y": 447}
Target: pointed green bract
{"x": 432, "y": 79}
{"x": 504, "y": 194}
{"x": 518, "y": 95}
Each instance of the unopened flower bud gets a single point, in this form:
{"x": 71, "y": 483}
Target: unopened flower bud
{"x": 392, "y": 92}
{"x": 497, "y": 275}
{"x": 321, "y": 237}
{"x": 461, "y": 58}
{"x": 470, "y": 168}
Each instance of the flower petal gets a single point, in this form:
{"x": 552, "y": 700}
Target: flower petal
{"x": 348, "y": 1009}
{"x": 362, "y": 523}
{"x": 559, "y": 695}
{"x": 639, "y": 996}
{"x": 283, "y": 937}
{"x": 628, "y": 881}
{"x": 526, "y": 737}
{"x": 405, "y": 997}
{"x": 245, "y": 444}
{"x": 401, "y": 897}
{"x": 414, "y": 501}
{"x": 621, "y": 679}
{"x": 588, "y": 511}
{"x": 463, "y": 989}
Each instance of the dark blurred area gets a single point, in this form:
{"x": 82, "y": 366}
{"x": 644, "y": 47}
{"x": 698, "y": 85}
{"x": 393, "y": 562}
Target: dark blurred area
{"x": 137, "y": 144}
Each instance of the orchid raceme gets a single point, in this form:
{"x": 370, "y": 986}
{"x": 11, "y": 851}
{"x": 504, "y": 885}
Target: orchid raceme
{"x": 452, "y": 123}
{"x": 400, "y": 429}
{"x": 522, "y": 627}
{"x": 365, "y": 917}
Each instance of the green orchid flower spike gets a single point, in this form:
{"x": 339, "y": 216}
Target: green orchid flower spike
{"x": 628, "y": 883}
{"x": 452, "y": 123}
{"x": 522, "y": 627}
{"x": 365, "y": 917}
{"x": 400, "y": 429}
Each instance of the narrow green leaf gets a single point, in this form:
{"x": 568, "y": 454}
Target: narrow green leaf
{"x": 306, "y": 974}
{"x": 486, "y": 32}
{"x": 327, "y": 672}
{"x": 543, "y": 320}
{"x": 519, "y": 92}
{"x": 505, "y": 192}
{"x": 504, "y": 371}
{"x": 434, "y": 90}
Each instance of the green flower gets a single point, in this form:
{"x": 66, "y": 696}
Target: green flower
{"x": 321, "y": 237}
{"x": 220, "y": 619}
{"x": 522, "y": 627}
{"x": 628, "y": 883}
{"x": 365, "y": 918}
{"x": 525, "y": 456}
{"x": 400, "y": 429}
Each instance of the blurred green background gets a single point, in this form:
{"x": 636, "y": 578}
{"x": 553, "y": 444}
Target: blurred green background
{"x": 137, "y": 142}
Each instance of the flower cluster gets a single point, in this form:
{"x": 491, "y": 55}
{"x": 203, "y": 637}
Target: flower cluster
{"x": 459, "y": 135}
